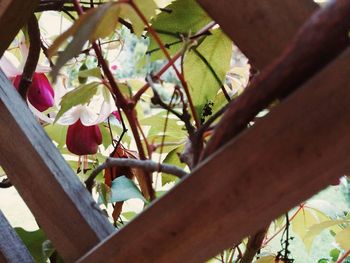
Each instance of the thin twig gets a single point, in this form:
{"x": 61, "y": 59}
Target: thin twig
{"x": 344, "y": 256}
{"x": 147, "y": 165}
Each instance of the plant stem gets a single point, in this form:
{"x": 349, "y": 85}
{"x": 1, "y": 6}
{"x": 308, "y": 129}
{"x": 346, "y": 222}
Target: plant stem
{"x": 147, "y": 165}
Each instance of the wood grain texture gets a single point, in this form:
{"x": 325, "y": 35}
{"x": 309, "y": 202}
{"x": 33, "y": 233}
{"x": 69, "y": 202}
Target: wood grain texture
{"x": 52, "y": 191}
{"x": 13, "y": 16}
{"x": 323, "y": 37}
{"x": 260, "y": 28}
{"x": 12, "y": 249}
{"x": 287, "y": 156}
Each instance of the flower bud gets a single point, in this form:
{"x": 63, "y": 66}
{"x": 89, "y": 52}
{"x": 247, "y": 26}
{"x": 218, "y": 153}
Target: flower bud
{"x": 40, "y": 92}
{"x": 83, "y": 140}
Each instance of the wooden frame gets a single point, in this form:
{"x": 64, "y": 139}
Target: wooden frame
{"x": 286, "y": 157}
{"x": 260, "y": 28}
{"x": 200, "y": 216}
{"x": 12, "y": 249}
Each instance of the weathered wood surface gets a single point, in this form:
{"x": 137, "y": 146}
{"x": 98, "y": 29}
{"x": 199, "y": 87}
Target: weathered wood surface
{"x": 13, "y": 15}
{"x": 319, "y": 41}
{"x": 295, "y": 151}
{"x": 12, "y": 249}
{"x": 260, "y": 28}
{"x": 52, "y": 191}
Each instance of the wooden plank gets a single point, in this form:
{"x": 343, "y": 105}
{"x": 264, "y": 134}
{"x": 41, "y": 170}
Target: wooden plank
{"x": 12, "y": 249}
{"x": 260, "y": 28}
{"x": 289, "y": 155}
{"x": 52, "y": 191}
{"x": 13, "y": 15}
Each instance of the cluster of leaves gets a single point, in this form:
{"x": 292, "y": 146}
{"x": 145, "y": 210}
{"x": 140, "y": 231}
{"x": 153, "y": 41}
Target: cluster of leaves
{"x": 176, "y": 37}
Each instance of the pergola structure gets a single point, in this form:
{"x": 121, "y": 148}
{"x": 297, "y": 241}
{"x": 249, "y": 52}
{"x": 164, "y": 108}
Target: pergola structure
{"x": 286, "y": 157}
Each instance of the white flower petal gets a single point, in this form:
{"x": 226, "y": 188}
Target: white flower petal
{"x": 39, "y": 114}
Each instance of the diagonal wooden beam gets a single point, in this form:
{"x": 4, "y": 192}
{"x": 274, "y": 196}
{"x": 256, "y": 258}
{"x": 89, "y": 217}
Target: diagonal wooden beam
{"x": 260, "y": 28}
{"x": 13, "y": 15}
{"x": 12, "y": 249}
{"x": 54, "y": 194}
{"x": 286, "y": 157}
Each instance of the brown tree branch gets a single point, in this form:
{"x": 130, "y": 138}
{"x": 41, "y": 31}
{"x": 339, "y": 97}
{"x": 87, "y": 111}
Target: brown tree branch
{"x": 147, "y": 165}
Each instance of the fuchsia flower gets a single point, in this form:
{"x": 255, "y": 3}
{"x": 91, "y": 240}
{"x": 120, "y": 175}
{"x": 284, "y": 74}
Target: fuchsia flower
{"x": 83, "y": 140}
{"x": 40, "y": 92}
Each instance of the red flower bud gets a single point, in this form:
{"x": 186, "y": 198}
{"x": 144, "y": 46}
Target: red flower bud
{"x": 40, "y": 92}
{"x": 83, "y": 140}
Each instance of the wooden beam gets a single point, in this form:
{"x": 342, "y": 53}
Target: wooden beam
{"x": 299, "y": 148}
{"x": 260, "y": 28}
{"x": 12, "y": 249}
{"x": 13, "y": 16}
{"x": 52, "y": 191}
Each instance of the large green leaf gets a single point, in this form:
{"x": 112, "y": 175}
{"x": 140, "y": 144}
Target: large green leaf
{"x": 205, "y": 67}
{"x": 184, "y": 17}
{"x": 81, "y": 95}
{"x": 57, "y": 133}
{"x": 33, "y": 240}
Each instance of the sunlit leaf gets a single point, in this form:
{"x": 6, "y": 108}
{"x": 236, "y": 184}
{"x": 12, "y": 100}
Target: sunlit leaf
{"x": 343, "y": 238}
{"x": 173, "y": 159}
{"x": 205, "y": 67}
{"x": 306, "y": 218}
{"x": 266, "y": 259}
{"x": 316, "y": 229}
{"x": 57, "y": 133}
{"x": 147, "y": 8}
{"x": 81, "y": 95}
{"x": 84, "y": 29}
{"x": 184, "y": 17}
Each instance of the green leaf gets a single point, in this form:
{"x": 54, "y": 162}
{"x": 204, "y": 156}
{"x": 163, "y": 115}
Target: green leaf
{"x": 95, "y": 23}
{"x": 33, "y": 240}
{"x": 124, "y": 189}
{"x": 266, "y": 259}
{"x": 334, "y": 254}
{"x": 323, "y": 260}
{"x": 57, "y": 133}
{"x": 186, "y": 17}
{"x": 205, "y": 67}
{"x": 316, "y": 229}
{"x": 85, "y": 73}
{"x": 81, "y": 95}
{"x": 306, "y": 218}
{"x": 343, "y": 238}
{"x": 173, "y": 159}
{"x": 147, "y": 8}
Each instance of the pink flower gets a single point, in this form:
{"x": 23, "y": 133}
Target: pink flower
{"x": 83, "y": 140}
{"x": 40, "y": 92}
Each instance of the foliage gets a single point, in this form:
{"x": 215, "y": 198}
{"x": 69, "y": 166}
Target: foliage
{"x": 149, "y": 79}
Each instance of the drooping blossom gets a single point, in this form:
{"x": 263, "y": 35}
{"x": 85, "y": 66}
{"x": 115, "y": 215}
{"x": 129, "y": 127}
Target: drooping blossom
{"x": 84, "y": 135}
{"x": 83, "y": 140}
{"x": 40, "y": 92}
